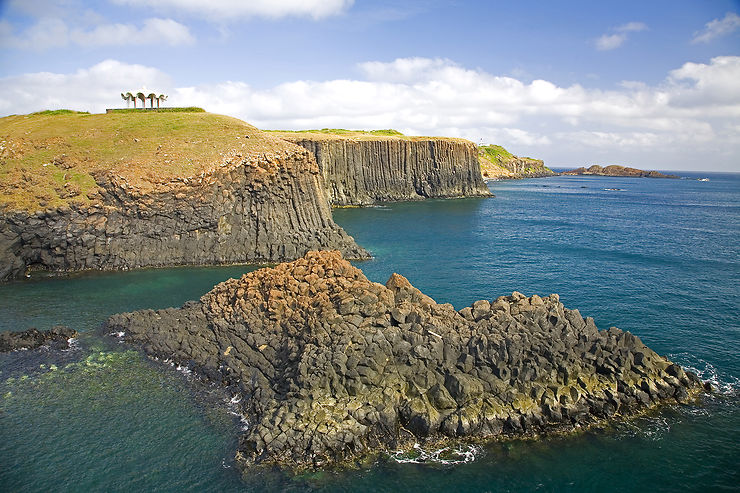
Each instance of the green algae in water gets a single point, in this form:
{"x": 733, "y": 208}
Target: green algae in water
{"x": 112, "y": 421}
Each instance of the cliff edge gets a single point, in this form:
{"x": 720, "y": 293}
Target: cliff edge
{"x": 497, "y": 163}
{"x": 139, "y": 189}
{"x": 329, "y": 366}
{"x": 364, "y": 168}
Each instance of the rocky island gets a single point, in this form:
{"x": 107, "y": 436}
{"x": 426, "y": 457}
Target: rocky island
{"x": 58, "y": 337}
{"x": 365, "y": 168}
{"x": 616, "y": 170}
{"x": 497, "y": 163}
{"x": 329, "y": 366}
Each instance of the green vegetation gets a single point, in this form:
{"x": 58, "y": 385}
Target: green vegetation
{"x": 61, "y": 112}
{"x": 188, "y": 109}
{"x": 342, "y": 131}
{"x": 48, "y": 159}
{"x": 495, "y": 153}
{"x": 495, "y": 161}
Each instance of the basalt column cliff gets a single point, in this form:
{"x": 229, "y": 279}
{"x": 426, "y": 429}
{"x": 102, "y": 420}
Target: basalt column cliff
{"x": 361, "y": 169}
{"x": 253, "y": 199}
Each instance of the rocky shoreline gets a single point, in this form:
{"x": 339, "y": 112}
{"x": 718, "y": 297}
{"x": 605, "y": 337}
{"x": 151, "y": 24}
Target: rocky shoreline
{"x": 57, "y": 337}
{"x": 331, "y": 367}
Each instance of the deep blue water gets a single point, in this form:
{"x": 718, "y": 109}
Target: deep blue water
{"x": 660, "y": 258}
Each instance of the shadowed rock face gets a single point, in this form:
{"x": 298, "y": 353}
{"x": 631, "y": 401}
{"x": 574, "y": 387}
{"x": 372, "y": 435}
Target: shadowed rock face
{"x": 332, "y": 366}
{"x": 364, "y": 172}
{"x": 261, "y": 208}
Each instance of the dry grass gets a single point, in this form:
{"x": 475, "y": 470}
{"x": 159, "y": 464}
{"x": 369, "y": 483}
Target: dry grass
{"x": 49, "y": 159}
{"x": 342, "y": 134}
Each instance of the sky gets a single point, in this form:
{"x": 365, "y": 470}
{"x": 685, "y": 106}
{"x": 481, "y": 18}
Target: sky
{"x": 650, "y": 84}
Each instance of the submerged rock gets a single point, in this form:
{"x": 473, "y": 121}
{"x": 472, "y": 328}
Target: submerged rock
{"x": 332, "y": 366}
{"x": 57, "y": 336}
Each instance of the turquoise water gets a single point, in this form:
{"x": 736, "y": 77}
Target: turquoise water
{"x": 660, "y": 258}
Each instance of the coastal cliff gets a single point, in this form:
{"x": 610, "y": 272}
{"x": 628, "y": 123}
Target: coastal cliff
{"x": 146, "y": 189}
{"x": 328, "y": 366}
{"x": 362, "y": 168}
{"x": 616, "y": 170}
{"x": 497, "y": 163}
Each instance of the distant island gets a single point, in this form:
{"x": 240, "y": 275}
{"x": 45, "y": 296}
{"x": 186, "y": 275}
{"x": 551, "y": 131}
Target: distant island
{"x": 616, "y": 170}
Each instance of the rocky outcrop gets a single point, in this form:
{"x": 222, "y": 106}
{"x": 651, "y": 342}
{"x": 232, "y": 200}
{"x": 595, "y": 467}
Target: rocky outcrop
{"x": 330, "y": 366}
{"x": 57, "y": 336}
{"x": 265, "y": 207}
{"x": 616, "y": 170}
{"x": 499, "y": 164}
{"x": 364, "y": 171}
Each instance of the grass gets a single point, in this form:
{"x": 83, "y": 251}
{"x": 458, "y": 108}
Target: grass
{"x": 48, "y": 159}
{"x": 343, "y": 131}
{"x": 332, "y": 133}
{"x": 497, "y": 161}
{"x": 188, "y": 109}
{"x": 61, "y": 112}
{"x": 495, "y": 153}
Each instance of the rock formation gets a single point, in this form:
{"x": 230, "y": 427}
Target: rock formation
{"x": 616, "y": 170}
{"x": 330, "y": 366}
{"x": 364, "y": 170}
{"x": 497, "y": 163}
{"x": 263, "y": 202}
{"x": 57, "y": 336}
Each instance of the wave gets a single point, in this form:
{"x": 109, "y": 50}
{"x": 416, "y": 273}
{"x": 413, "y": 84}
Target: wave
{"x": 722, "y": 382}
{"x": 460, "y": 454}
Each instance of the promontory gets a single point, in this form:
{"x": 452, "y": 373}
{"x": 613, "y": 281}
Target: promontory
{"x": 158, "y": 188}
{"x": 329, "y": 366}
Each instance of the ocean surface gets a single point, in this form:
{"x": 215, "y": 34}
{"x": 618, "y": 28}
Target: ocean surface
{"x": 660, "y": 258}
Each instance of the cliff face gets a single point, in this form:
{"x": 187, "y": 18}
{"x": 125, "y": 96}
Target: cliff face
{"x": 329, "y": 366}
{"x": 263, "y": 208}
{"x": 381, "y": 169}
{"x": 498, "y": 163}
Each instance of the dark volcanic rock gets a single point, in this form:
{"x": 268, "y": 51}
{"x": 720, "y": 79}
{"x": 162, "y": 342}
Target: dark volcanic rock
{"x": 332, "y": 366}
{"x": 57, "y": 336}
{"x": 616, "y": 170}
{"x": 265, "y": 208}
{"x": 382, "y": 169}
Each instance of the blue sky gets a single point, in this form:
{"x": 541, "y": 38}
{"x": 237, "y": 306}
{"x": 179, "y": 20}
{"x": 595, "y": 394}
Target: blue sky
{"x": 648, "y": 84}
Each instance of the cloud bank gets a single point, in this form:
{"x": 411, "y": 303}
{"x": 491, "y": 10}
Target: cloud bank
{"x": 53, "y": 32}
{"x": 225, "y": 10}
{"x": 691, "y": 115}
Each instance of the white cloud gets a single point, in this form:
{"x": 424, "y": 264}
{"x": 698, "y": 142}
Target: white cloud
{"x": 154, "y": 31}
{"x": 615, "y": 40}
{"x": 92, "y": 89}
{"x": 49, "y": 33}
{"x": 718, "y": 27}
{"x": 236, "y": 9}
{"x": 692, "y": 115}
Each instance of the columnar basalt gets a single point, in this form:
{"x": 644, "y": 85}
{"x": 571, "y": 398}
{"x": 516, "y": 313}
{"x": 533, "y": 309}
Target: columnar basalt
{"x": 250, "y": 207}
{"x": 330, "y": 366}
{"x": 368, "y": 170}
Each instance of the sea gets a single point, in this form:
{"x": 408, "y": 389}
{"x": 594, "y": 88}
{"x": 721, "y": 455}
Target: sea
{"x": 660, "y": 258}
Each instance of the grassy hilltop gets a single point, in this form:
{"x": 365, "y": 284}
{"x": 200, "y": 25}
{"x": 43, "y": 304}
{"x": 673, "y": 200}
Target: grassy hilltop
{"x": 497, "y": 162}
{"x": 48, "y": 159}
{"x": 341, "y": 133}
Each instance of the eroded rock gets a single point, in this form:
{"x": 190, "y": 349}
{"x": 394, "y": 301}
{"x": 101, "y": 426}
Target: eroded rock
{"x": 331, "y": 366}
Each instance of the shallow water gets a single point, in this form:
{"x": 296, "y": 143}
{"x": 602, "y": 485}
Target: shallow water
{"x": 660, "y": 258}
